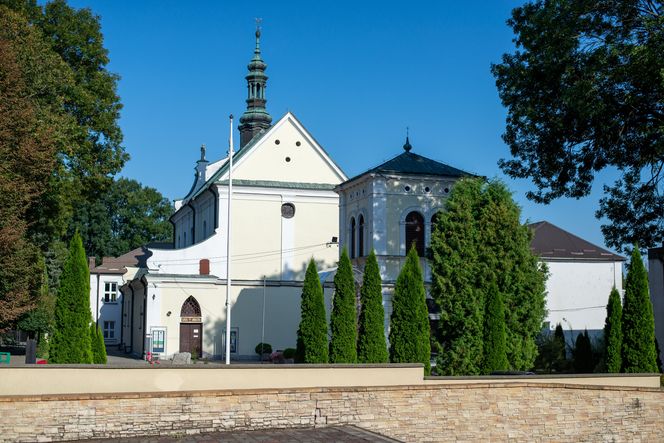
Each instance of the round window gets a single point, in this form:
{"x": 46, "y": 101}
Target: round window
{"x": 288, "y": 210}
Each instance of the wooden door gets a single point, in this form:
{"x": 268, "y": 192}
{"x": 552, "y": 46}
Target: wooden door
{"x": 191, "y": 338}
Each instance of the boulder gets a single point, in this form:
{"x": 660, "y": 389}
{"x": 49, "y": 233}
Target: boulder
{"x": 182, "y": 358}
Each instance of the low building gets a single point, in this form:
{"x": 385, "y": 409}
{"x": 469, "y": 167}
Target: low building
{"x": 581, "y": 277}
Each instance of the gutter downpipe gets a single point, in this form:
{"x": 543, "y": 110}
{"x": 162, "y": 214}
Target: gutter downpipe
{"x": 228, "y": 245}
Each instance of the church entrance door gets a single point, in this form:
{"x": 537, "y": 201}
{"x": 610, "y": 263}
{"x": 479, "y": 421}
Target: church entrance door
{"x": 191, "y": 328}
{"x": 191, "y": 338}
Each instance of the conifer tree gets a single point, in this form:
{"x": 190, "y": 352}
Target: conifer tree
{"x": 476, "y": 240}
{"x": 409, "y": 324}
{"x": 495, "y": 357}
{"x": 638, "y": 323}
{"x": 343, "y": 320}
{"x": 583, "y": 354}
{"x": 560, "y": 363}
{"x": 98, "y": 345}
{"x": 613, "y": 333}
{"x": 71, "y": 333}
{"x": 312, "y": 334}
{"x": 371, "y": 345}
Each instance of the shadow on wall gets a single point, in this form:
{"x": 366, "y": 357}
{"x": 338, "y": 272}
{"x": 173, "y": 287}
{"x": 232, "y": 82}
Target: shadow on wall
{"x": 269, "y": 313}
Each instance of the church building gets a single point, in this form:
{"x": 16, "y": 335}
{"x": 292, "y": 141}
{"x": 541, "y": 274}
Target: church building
{"x": 284, "y": 212}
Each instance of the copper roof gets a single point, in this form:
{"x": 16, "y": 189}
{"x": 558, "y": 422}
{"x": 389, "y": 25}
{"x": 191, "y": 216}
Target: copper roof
{"x": 550, "y": 241}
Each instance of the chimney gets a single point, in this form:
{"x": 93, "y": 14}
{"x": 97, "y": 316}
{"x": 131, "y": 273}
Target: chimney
{"x": 204, "y": 266}
{"x": 91, "y": 263}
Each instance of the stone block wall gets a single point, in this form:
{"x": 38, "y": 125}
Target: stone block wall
{"x": 521, "y": 412}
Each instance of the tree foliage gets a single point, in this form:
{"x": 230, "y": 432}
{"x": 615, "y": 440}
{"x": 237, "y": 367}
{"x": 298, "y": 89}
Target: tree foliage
{"x": 584, "y": 91}
{"x": 71, "y": 336}
{"x": 583, "y": 354}
{"x": 29, "y": 137}
{"x": 371, "y": 345}
{"x": 409, "y": 323}
{"x": 97, "y": 344}
{"x": 613, "y": 333}
{"x": 312, "y": 345}
{"x": 638, "y": 322}
{"x": 343, "y": 320}
{"x": 495, "y": 356}
{"x": 478, "y": 241}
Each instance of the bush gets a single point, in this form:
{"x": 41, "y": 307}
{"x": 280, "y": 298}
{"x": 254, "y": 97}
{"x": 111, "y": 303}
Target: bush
{"x": 98, "y": 345}
{"x": 263, "y": 348}
{"x": 289, "y": 353}
{"x": 371, "y": 345}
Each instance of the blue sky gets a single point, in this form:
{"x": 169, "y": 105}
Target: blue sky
{"x": 356, "y": 74}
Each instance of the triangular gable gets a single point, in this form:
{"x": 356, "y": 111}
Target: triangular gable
{"x": 287, "y": 152}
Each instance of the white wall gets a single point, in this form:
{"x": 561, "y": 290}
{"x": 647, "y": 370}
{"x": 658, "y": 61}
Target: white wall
{"x": 577, "y": 293}
{"x": 103, "y": 311}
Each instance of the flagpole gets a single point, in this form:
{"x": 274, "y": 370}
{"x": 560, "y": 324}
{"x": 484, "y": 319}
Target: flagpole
{"x": 228, "y": 245}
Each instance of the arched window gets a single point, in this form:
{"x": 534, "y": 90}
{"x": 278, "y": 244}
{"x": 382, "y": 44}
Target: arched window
{"x": 434, "y": 221}
{"x": 352, "y": 237}
{"x": 185, "y": 239}
{"x": 415, "y": 232}
{"x": 190, "y": 308}
{"x": 179, "y": 244}
{"x": 360, "y": 236}
{"x": 204, "y": 228}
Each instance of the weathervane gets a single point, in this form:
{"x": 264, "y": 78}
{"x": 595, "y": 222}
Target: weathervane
{"x": 258, "y": 23}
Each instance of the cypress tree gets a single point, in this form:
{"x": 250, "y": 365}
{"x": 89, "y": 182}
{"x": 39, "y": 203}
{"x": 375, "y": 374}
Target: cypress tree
{"x": 583, "y": 354}
{"x": 560, "y": 350}
{"x": 343, "y": 320}
{"x": 495, "y": 357}
{"x": 479, "y": 239}
{"x": 312, "y": 333}
{"x": 71, "y": 333}
{"x": 613, "y": 333}
{"x": 371, "y": 345}
{"x": 638, "y": 323}
{"x": 98, "y": 345}
{"x": 409, "y": 324}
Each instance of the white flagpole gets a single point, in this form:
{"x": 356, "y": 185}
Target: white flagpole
{"x": 228, "y": 245}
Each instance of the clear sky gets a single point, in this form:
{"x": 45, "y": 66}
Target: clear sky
{"x": 356, "y": 74}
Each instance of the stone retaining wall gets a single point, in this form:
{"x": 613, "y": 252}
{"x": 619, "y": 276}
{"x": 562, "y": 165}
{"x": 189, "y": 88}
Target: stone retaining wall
{"x": 524, "y": 412}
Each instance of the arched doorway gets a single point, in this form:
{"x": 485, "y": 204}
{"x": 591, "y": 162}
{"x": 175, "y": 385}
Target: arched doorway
{"x": 415, "y": 232}
{"x": 191, "y": 327}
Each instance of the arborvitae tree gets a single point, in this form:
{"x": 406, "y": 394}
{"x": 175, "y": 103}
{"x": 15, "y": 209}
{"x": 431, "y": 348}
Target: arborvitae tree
{"x": 560, "y": 363}
{"x": 312, "y": 333}
{"x": 583, "y": 354}
{"x": 343, "y": 320}
{"x": 409, "y": 324}
{"x": 659, "y": 358}
{"x": 371, "y": 345}
{"x": 613, "y": 333}
{"x": 98, "y": 345}
{"x": 638, "y": 323}
{"x": 479, "y": 239}
{"x": 71, "y": 333}
{"x": 495, "y": 358}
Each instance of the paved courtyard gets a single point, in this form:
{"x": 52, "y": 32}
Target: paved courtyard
{"x": 331, "y": 434}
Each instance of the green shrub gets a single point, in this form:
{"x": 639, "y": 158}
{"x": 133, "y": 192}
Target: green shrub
{"x": 613, "y": 333}
{"x": 98, "y": 345}
{"x": 263, "y": 348}
{"x": 289, "y": 353}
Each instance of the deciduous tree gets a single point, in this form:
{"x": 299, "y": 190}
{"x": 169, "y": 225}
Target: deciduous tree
{"x": 371, "y": 345}
{"x": 584, "y": 91}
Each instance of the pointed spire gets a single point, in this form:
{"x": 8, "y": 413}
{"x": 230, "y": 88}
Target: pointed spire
{"x": 256, "y": 118}
{"x": 203, "y": 152}
{"x": 407, "y": 146}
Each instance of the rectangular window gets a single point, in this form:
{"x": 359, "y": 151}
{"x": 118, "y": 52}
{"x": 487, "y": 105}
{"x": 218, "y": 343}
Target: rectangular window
{"x": 110, "y": 292}
{"x": 109, "y": 330}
